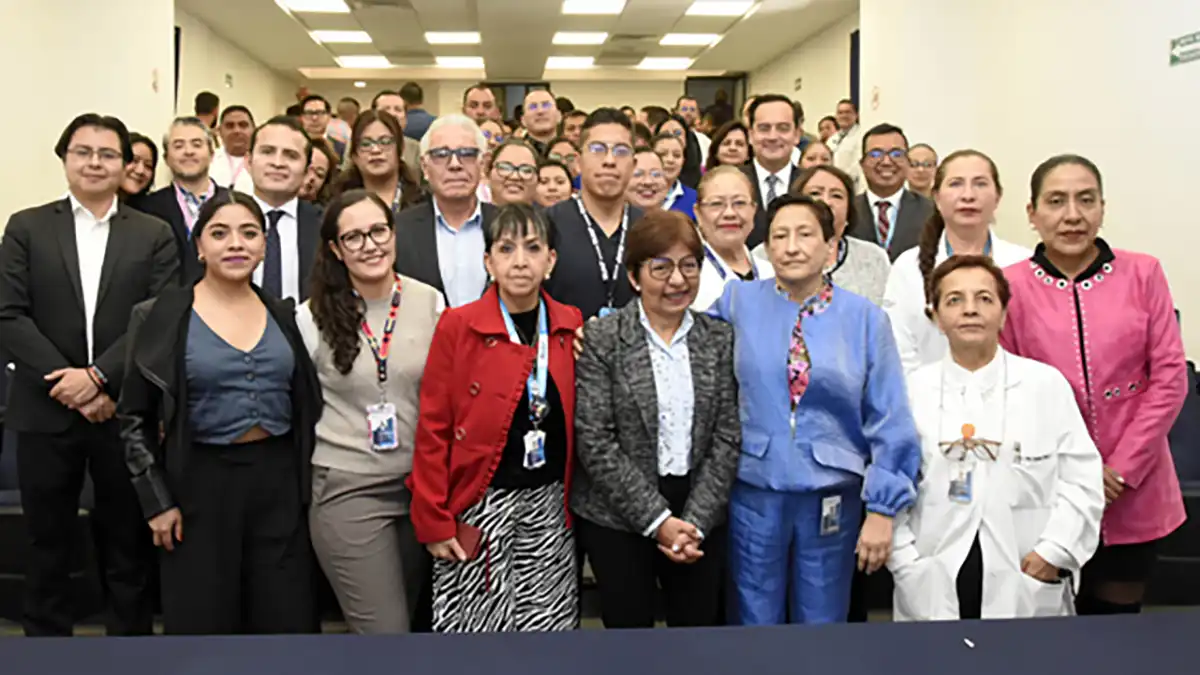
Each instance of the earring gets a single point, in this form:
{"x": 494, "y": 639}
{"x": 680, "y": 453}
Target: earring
{"x": 200, "y": 258}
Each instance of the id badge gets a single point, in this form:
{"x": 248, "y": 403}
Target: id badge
{"x": 960, "y": 486}
{"x": 381, "y": 420}
{"x": 605, "y": 311}
{"x": 535, "y": 449}
{"x": 831, "y": 515}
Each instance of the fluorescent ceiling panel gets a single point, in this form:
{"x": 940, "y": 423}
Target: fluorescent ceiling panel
{"x": 342, "y": 37}
{"x": 689, "y": 39}
{"x": 570, "y": 62}
{"x": 576, "y": 38}
{"x": 315, "y": 6}
{"x": 593, "y": 6}
{"x": 661, "y": 63}
{"x": 364, "y": 62}
{"x": 452, "y": 38}
{"x": 719, "y": 8}
{"x": 465, "y": 62}
{"x": 360, "y": 84}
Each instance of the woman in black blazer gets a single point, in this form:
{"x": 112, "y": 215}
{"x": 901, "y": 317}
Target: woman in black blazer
{"x": 217, "y": 414}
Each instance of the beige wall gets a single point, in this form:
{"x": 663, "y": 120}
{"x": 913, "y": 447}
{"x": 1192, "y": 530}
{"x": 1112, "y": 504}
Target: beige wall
{"x": 123, "y": 74}
{"x": 821, "y": 63}
{"x": 589, "y": 95}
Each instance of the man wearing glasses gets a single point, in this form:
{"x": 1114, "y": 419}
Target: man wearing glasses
{"x": 317, "y": 120}
{"x": 541, "y": 119}
{"x": 66, "y": 336}
{"x": 440, "y": 242}
{"x": 591, "y": 227}
{"x": 888, "y": 214}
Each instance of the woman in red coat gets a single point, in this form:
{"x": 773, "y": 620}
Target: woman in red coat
{"x": 494, "y": 444}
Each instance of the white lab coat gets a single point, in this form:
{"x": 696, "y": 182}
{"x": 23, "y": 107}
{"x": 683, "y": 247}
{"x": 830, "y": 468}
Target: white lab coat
{"x": 712, "y": 283}
{"x": 1044, "y": 492}
{"x": 231, "y": 173}
{"x": 917, "y": 337}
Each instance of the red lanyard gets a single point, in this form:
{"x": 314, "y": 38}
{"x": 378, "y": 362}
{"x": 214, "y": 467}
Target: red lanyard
{"x": 380, "y": 349}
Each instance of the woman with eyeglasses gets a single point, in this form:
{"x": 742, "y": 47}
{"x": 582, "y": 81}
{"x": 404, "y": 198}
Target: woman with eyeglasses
{"x": 495, "y": 441}
{"x": 368, "y": 331}
{"x": 648, "y": 187}
{"x": 1105, "y": 318}
{"x": 376, "y": 146}
{"x": 826, "y": 429}
{"x": 816, "y": 154}
{"x": 139, "y": 174}
{"x": 1011, "y": 491}
{"x": 730, "y": 146}
{"x": 554, "y": 183}
{"x": 726, "y": 211}
{"x": 689, "y": 172}
{"x": 659, "y": 438}
{"x": 679, "y": 197}
{"x": 513, "y": 176}
{"x": 494, "y": 133}
{"x": 217, "y": 414}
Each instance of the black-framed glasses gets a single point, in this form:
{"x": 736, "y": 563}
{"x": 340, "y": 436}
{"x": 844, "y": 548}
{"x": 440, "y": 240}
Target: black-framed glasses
{"x": 356, "y": 240}
{"x": 896, "y": 154}
{"x": 369, "y": 144}
{"x": 662, "y": 268}
{"x": 524, "y": 171}
{"x": 465, "y": 156}
{"x": 618, "y": 150}
{"x": 568, "y": 158}
{"x": 84, "y": 153}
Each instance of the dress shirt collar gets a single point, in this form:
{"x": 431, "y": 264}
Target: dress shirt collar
{"x": 783, "y": 175}
{"x": 893, "y": 199}
{"x": 983, "y": 380}
{"x": 680, "y": 335}
{"x": 675, "y": 193}
{"x": 289, "y": 207}
{"x": 77, "y": 208}
{"x": 475, "y": 219}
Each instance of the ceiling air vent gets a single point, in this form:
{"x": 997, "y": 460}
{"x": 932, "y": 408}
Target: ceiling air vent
{"x": 380, "y": 4}
{"x": 629, "y": 40}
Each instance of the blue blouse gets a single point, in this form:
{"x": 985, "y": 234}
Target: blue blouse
{"x": 681, "y": 198}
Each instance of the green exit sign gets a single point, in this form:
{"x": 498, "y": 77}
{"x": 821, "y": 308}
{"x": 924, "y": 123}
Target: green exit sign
{"x": 1186, "y": 48}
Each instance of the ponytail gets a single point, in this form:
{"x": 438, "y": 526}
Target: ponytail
{"x": 931, "y": 236}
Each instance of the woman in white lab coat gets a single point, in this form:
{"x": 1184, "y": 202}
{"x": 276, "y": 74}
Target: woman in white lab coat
{"x": 725, "y": 209}
{"x": 966, "y": 192}
{"x": 1012, "y": 490}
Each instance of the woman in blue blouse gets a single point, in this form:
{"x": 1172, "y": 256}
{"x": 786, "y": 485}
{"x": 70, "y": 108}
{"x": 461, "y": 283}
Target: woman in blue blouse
{"x": 826, "y": 427}
{"x": 680, "y": 197}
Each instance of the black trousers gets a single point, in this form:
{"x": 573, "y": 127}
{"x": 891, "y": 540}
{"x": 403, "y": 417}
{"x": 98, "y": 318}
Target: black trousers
{"x": 51, "y": 470}
{"x": 969, "y": 583}
{"x": 245, "y": 565}
{"x": 629, "y": 569}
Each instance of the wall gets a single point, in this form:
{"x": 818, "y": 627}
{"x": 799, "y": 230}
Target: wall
{"x": 206, "y": 59}
{"x": 120, "y": 80}
{"x": 589, "y": 95}
{"x": 822, "y": 62}
{"x": 1090, "y": 77}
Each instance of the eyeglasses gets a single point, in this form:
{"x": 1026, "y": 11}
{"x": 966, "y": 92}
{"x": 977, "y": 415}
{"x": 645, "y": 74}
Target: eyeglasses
{"x": 677, "y": 133}
{"x": 442, "y": 155}
{"x": 662, "y": 268}
{"x": 507, "y": 169}
{"x": 355, "y": 240}
{"x": 639, "y": 174}
{"x": 84, "y": 153}
{"x": 618, "y": 150}
{"x": 923, "y": 165}
{"x": 499, "y": 138}
{"x": 369, "y": 144}
{"x": 544, "y": 105}
{"x": 895, "y": 153}
{"x": 687, "y": 108}
{"x": 981, "y": 448}
{"x": 568, "y": 158}
{"x": 718, "y": 206}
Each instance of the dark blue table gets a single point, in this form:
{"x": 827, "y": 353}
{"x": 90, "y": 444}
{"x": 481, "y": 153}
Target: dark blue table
{"x": 1165, "y": 643}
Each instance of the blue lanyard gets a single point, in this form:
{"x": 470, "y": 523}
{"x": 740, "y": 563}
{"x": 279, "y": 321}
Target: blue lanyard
{"x": 712, "y": 258}
{"x": 987, "y": 248}
{"x": 536, "y": 383}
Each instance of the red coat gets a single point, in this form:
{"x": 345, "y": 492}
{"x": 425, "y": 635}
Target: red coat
{"x": 474, "y": 379}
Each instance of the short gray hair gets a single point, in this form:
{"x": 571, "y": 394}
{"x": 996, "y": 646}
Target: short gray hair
{"x": 189, "y": 121}
{"x": 454, "y": 120}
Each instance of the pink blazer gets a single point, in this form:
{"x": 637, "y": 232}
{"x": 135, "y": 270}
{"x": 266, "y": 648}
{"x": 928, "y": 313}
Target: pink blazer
{"x": 1115, "y": 338}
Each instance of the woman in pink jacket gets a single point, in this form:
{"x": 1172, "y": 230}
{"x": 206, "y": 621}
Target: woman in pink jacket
{"x": 1104, "y": 317}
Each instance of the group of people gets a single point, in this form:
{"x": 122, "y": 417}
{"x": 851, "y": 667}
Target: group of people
{"x": 744, "y": 377}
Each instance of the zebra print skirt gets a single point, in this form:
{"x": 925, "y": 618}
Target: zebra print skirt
{"x": 524, "y": 577}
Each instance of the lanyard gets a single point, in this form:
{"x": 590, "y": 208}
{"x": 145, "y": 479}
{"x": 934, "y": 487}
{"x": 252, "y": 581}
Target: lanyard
{"x": 987, "y": 248}
{"x": 234, "y": 173}
{"x": 609, "y": 280}
{"x": 189, "y": 204}
{"x": 396, "y": 199}
{"x": 842, "y": 252}
{"x": 536, "y": 383}
{"x": 720, "y": 266}
{"x": 381, "y": 349}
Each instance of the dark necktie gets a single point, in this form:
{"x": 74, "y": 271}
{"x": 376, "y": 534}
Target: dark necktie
{"x": 273, "y": 264}
{"x": 772, "y": 183}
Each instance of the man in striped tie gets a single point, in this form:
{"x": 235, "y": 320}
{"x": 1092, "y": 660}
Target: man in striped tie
{"x": 888, "y": 214}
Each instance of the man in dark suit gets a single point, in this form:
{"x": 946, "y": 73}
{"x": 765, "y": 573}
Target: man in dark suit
{"x": 774, "y": 131}
{"x": 280, "y": 153}
{"x": 440, "y": 242}
{"x": 188, "y": 152}
{"x": 70, "y": 273}
{"x": 888, "y": 214}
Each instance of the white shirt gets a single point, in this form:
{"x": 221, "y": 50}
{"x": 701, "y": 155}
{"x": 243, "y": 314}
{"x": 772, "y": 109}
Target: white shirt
{"x": 289, "y": 247}
{"x": 705, "y": 143}
{"x": 846, "y": 148}
{"x": 714, "y": 274}
{"x": 781, "y": 184}
{"x": 231, "y": 172}
{"x": 893, "y": 211}
{"x": 91, "y": 242}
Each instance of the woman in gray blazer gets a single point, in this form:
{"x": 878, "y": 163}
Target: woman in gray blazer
{"x": 657, "y": 438}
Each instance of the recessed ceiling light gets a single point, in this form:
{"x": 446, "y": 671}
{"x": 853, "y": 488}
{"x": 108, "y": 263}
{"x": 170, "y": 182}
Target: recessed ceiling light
{"x": 661, "y": 63}
{"x": 452, "y": 38}
{"x": 464, "y": 62}
{"x": 689, "y": 39}
{"x": 593, "y": 6}
{"x": 570, "y": 62}
{"x": 341, "y": 37}
{"x": 719, "y": 7}
{"x": 576, "y": 38}
{"x": 315, "y": 6}
{"x": 360, "y": 84}
{"x": 364, "y": 62}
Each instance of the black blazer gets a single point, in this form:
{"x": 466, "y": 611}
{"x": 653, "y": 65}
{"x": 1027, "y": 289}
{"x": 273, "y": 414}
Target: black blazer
{"x": 155, "y": 397}
{"x": 308, "y": 239}
{"x": 42, "y": 320}
{"x": 164, "y": 205}
{"x": 759, "y": 234}
{"x": 416, "y": 244}
{"x": 914, "y": 211}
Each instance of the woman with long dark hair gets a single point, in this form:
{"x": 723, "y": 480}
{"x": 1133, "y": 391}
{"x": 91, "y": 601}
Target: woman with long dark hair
{"x": 217, "y": 412}
{"x": 368, "y": 331}
{"x": 690, "y": 172}
{"x": 376, "y": 152}
{"x": 139, "y": 174}
{"x": 322, "y": 172}
{"x": 680, "y": 197}
{"x": 730, "y": 145}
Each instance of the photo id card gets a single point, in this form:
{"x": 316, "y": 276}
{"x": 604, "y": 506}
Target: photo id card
{"x": 381, "y": 420}
{"x": 960, "y": 486}
{"x": 605, "y": 311}
{"x": 831, "y": 515}
{"x": 535, "y": 449}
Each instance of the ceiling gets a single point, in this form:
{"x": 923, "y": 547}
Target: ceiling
{"x": 515, "y": 36}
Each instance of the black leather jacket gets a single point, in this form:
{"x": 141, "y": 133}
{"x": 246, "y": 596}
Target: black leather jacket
{"x": 154, "y": 397}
